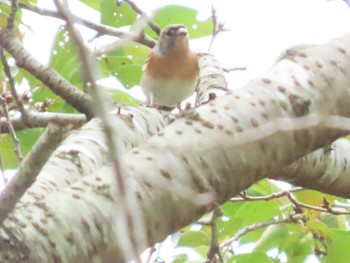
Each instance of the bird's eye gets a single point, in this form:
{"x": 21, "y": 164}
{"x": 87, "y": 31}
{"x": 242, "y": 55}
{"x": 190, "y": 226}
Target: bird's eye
{"x": 168, "y": 33}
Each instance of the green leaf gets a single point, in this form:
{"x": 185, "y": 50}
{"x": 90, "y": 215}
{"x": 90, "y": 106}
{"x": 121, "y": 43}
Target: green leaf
{"x": 230, "y": 209}
{"x": 229, "y": 227}
{"x": 314, "y": 198}
{"x": 193, "y": 239}
{"x": 95, "y": 4}
{"x": 57, "y": 104}
{"x": 338, "y": 251}
{"x": 297, "y": 244}
{"x": 229, "y": 224}
{"x": 272, "y": 237}
{"x": 27, "y": 139}
{"x": 263, "y": 187}
{"x": 122, "y": 97}
{"x": 318, "y": 228}
{"x": 180, "y": 258}
{"x": 5, "y": 9}
{"x": 29, "y": 2}
{"x": 337, "y": 233}
{"x": 254, "y": 212}
{"x": 124, "y": 69}
{"x": 202, "y": 251}
{"x": 176, "y": 14}
{"x": 3, "y": 20}
{"x": 138, "y": 53}
{"x": 64, "y": 58}
{"x": 249, "y": 258}
{"x": 116, "y": 16}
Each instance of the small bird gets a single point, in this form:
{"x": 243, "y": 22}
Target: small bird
{"x": 171, "y": 72}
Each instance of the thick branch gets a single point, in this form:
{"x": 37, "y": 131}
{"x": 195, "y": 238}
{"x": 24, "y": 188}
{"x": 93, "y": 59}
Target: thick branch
{"x": 30, "y": 167}
{"x": 99, "y": 28}
{"x": 328, "y": 166}
{"x": 41, "y": 120}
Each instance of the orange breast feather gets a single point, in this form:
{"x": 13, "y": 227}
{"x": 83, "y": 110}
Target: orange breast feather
{"x": 179, "y": 63}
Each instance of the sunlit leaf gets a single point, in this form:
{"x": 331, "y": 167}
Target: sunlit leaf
{"x": 175, "y": 14}
{"x": 5, "y": 10}
{"x": 64, "y": 58}
{"x": 29, "y": 2}
{"x": 95, "y": 4}
{"x": 3, "y": 20}
{"x": 318, "y": 228}
{"x": 194, "y": 239}
{"x": 27, "y": 139}
{"x": 263, "y": 187}
{"x": 254, "y": 212}
{"x": 124, "y": 69}
{"x": 298, "y": 244}
{"x": 117, "y": 16}
{"x": 249, "y": 258}
{"x": 314, "y": 198}
{"x": 122, "y": 97}
{"x": 202, "y": 251}
{"x": 335, "y": 234}
{"x": 272, "y": 236}
{"x": 338, "y": 251}
{"x": 229, "y": 227}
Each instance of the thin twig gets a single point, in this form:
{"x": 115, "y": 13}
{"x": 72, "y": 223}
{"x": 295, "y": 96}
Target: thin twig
{"x": 347, "y": 2}
{"x": 326, "y": 208}
{"x": 12, "y": 132}
{"x": 12, "y": 16}
{"x": 138, "y": 10}
{"x": 217, "y": 27}
{"x": 30, "y": 167}
{"x": 99, "y": 28}
{"x": 214, "y": 245}
{"x": 6, "y": 68}
{"x": 4, "y": 178}
{"x": 245, "y": 197}
{"x": 293, "y": 218}
{"x": 228, "y": 70}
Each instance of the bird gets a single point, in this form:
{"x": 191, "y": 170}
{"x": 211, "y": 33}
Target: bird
{"x": 171, "y": 71}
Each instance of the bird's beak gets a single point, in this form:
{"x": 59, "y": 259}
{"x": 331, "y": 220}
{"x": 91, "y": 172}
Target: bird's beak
{"x": 182, "y": 32}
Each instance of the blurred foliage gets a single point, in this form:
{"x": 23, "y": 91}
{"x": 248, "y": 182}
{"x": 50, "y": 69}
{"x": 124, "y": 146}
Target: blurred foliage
{"x": 170, "y": 15}
{"x": 27, "y": 139}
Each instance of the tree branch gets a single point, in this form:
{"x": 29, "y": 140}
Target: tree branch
{"x": 293, "y": 218}
{"x": 317, "y": 169}
{"x": 41, "y": 120}
{"x": 245, "y": 197}
{"x": 18, "y": 100}
{"x": 325, "y": 209}
{"x": 12, "y": 16}
{"x": 30, "y": 167}
{"x": 9, "y": 126}
{"x": 212, "y": 81}
{"x": 138, "y": 10}
{"x": 99, "y": 28}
